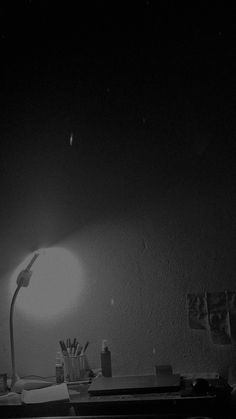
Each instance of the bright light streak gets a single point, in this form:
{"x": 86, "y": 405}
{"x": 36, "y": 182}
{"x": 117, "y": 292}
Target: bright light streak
{"x": 71, "y": 138}
{"x": 54, "y": 286}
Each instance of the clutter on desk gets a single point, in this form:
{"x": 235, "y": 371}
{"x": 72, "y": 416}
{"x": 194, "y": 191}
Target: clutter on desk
{"x": 106, "y": 360}
{"x": 72, "y": 364}
{"x": 30, "y": 384}
{"x": 163, "y": 370}
{"x": 55, "y": 393}
{"x": 3, "y": 384}
{"x": 204, "y": 384}
{"x": 200, "y": 386}
{"x": 10, "y": 398}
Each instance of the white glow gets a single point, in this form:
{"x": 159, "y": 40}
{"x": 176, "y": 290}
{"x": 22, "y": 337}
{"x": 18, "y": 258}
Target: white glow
{"x": 54, "y": 285}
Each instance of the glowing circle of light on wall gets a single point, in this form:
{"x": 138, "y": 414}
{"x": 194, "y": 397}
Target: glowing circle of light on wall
{"x": 54, "y": 286}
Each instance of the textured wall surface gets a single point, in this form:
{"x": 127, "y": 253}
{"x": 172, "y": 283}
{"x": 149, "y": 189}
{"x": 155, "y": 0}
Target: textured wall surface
{"x": 137, "y": 267}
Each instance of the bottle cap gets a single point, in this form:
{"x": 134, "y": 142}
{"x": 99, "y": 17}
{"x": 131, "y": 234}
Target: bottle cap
{"x": 104, "y": 345}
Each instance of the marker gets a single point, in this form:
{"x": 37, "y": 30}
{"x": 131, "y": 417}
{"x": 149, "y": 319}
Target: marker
{"x": 63, "y": 348}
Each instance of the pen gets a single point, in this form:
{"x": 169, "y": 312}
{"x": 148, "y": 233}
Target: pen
{"x": 85, "y": 347}
{"x": 74, "y": 346}
{"x": 68, "y": 346}
{"x": 78, "y": 350}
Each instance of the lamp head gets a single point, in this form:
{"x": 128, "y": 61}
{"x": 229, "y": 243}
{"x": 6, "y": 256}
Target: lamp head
{"x": 55, "y": 273}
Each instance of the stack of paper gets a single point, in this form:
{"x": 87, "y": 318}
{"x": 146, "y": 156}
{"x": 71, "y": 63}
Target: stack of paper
{"x": 55, "y": 393}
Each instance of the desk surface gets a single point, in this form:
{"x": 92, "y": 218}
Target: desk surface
{"x": 124, "y": 404}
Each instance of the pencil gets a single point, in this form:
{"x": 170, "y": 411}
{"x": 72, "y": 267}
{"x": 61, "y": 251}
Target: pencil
{"x": 85, "y": 347}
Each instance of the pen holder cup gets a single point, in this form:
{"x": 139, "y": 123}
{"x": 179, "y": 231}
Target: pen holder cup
{"x": 75, "y": 368}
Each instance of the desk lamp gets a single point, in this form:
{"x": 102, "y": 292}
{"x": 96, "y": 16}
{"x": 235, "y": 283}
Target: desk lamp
{"x": 17, "y": 384}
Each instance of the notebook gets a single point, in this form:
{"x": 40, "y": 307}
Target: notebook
{"x": 134, "y": 384}
{"x": 55, "y": 393}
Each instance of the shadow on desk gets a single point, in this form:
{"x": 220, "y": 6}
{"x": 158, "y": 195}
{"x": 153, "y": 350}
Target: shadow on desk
{"x": 39, "y": 410}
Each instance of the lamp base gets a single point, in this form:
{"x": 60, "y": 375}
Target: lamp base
{"x": 29, "y": 384}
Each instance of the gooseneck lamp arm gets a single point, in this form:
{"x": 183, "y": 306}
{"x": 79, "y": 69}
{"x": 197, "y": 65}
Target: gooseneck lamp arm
{"x": 14, "y": 375}
{"x": 22, "y": 281}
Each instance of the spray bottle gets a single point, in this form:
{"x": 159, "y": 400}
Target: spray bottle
{"x": 106, "y": 360}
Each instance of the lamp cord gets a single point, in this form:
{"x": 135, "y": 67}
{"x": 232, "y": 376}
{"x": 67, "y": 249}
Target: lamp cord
{"x": 14, "y": 375}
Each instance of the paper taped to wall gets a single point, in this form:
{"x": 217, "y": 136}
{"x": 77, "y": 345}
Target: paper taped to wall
{"x": 215, "y": 312}
{"x": 232, "y": 314}
{"x": 197, "y": 311}
{"x": 218, "y": 317}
